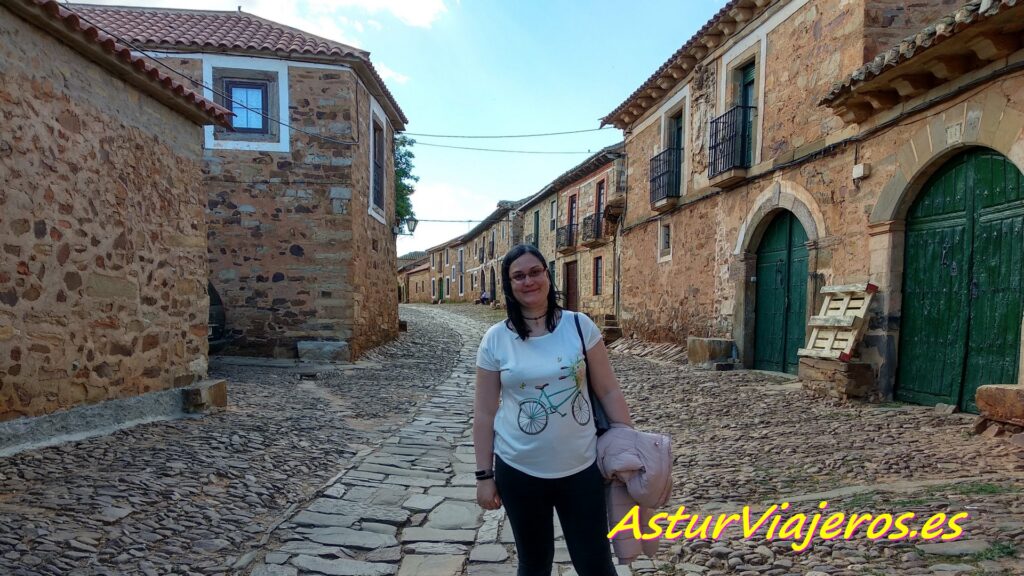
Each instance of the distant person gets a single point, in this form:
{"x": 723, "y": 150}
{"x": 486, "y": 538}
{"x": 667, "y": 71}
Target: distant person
{"x": 485, "y": 298}
{"x": 536, "y": 451}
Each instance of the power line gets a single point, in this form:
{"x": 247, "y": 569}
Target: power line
{"x": 510, "y": 135}
{"x": 499, "y": 150}
{"x": 285, "y": 124}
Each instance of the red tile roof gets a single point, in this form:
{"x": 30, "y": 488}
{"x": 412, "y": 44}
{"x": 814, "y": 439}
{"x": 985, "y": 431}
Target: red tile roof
{"x": 229, "y": 32}
{"x": 62, "y": 22}
{"x": 971, "y": 13}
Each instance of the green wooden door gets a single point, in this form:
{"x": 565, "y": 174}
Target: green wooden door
{"x": 962, "y": 287}
{"x": 781, "y": 306}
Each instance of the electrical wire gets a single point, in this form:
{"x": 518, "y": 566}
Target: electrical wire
{"x": 510, "y": 135}
{"x": 198, "y": 83}
{"x": 499, "y": 150}
{"x": 227, "y": 98}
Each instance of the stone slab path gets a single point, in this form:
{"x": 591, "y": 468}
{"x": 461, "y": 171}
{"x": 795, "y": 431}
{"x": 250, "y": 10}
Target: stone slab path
{"x": 409, "y": 506}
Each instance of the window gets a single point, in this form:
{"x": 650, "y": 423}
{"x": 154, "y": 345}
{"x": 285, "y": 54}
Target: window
{"x": 462, "y": 284}
{"x": 452, "y": 277}
{"x": 599, "y": 199}
{"x": 447, "y": 257}
{"x": 536, "y": 227}
{"x": 378, "y": 166}
{"x": 433, "y": 287}
{"x": 665, "y": 241}
{"x": 253, "y": 96}
{"x": 551, "y": 267}
{"x": 554, "y": 214}
{"x": 249, "y": 104}
{"x": 598, "y": 275}
{"x": 448, "y": 286}
{"x": 432, "y": 262}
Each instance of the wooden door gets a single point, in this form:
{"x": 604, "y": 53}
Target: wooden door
{"x": 962, "y": 289}
{"x": 781, "y": 305}
{"x": 571, "y": 289}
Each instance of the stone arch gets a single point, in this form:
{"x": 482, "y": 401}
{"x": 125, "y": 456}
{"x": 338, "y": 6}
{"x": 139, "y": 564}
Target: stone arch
{"x": 781, "y": 195}
{"x": 989, "y": 124}
{"x": 964, "y": 126}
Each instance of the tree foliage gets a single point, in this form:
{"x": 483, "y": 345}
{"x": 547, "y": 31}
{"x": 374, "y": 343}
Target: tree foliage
{"x": 405, "y": 180}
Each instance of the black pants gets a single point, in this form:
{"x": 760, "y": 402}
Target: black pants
{"x": 580, "y": 503}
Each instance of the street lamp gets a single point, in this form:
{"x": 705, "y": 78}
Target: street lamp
{"x": 409, "y": 223}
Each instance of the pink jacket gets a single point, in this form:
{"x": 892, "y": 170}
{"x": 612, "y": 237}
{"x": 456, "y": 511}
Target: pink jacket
{"x": 639, "y": 466}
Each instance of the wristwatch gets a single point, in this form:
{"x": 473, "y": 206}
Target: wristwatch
{"x": 484, "y": 475}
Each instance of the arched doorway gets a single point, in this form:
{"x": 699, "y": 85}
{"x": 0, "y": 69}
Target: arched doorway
{"x": 781, "y": 295}
{"x": 962, "y": 281}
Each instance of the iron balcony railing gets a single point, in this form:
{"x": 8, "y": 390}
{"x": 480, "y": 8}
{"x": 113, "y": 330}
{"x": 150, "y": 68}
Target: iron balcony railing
{"x": 565, "y": 237}
{"x": 665, "y": 173}
{"x": 731, "y": 143}
{"x": 592, "y": 227}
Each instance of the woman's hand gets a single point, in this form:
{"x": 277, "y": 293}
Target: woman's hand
{"x": 487, "y": 494}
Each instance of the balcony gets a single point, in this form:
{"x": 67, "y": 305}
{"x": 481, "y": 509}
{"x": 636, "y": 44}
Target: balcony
{"x": 592, "y": 231}
{"x": 565, "y": 239}
{"x": 731, "y": 148}
{"x": 665, "y": 178}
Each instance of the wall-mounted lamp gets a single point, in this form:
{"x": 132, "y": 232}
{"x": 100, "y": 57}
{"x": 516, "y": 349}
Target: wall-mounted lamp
{"x": 409, "y": 223}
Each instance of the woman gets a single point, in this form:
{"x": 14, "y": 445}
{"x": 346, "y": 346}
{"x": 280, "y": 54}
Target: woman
{"x": 536, "y": 451}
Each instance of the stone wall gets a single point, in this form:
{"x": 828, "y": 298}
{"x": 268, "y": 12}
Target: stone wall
{"x": 584, "y": 190}
{"x": 292, "y": 249}
{"x": 419, "y": 287}
{"x": 102, "y": 269}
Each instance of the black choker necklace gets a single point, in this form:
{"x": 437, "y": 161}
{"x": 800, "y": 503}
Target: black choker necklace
{"x": 537, "y": 318}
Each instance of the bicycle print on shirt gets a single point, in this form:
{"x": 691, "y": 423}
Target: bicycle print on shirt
{"x": 534, "y": 412}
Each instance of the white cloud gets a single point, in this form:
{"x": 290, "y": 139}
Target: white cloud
{"x": 420, "y": 13}
{"x": 388, "y": 74}
{"x": 375, "y": 25}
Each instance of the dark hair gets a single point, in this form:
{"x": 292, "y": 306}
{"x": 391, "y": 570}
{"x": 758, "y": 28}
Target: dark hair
{"x": 512, "y": 306}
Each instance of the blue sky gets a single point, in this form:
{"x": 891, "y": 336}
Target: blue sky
{"x": 493, "y": 67}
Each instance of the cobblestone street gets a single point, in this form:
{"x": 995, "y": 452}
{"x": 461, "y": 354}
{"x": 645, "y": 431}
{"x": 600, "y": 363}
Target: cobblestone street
{"x": 367, "y": 470}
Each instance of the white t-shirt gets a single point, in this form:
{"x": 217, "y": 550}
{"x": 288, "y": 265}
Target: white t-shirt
{"x": 544, "y": 425}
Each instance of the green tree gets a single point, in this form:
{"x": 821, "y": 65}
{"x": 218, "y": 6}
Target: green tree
{"x": 405, "y": 180}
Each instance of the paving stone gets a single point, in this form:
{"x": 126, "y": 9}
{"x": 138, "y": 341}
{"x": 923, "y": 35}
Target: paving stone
{"x": 365, "y": 512}
{"x": 454, "y": 493}
{"x": 112, "y": 514}
{"x": 404, "y": 471}
{"x": 434, "y": 548}
{"x": 274, "y": 570}
{"x": 434, "y": 535}
{"x": 422, "y": 502}
{"x": 389, "y": 554}
{"x": 343, "y": 567}
{"x": 349, "y": 538}
{"x": 433, "y": 565}
{"x": 491, "y": 570}
{"x": 412, "y": 481}
{"x": 313, "y": 549}
{"x": 306, "y": 518}
{"x": 379, "y": 528}
{"x": 955, "y": 548}
{"x": 335, "y": 491}
{"x": 454, "y": 515}
{"x": 488, "y": 553}
{"x": 276, "y": 558}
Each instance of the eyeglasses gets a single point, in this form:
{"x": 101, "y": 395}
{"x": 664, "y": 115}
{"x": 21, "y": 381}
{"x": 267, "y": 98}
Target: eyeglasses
{"x": 535, "y": 274}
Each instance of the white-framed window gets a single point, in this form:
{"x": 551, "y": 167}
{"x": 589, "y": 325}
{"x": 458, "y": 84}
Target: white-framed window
{"x": 554, "y": 214}
{"x": 256, "y": 91}
{"x": 664, "y": 240}
{"x": 598, "y": 275}
{"x": 452, "y": 275}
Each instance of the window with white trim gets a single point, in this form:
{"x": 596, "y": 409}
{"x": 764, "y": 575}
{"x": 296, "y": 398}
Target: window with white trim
{"x": 665, "y": 240}
{"x": 554, "y": 214}
{"x": 252, "y": 95}
{"x": 377, "y": 177}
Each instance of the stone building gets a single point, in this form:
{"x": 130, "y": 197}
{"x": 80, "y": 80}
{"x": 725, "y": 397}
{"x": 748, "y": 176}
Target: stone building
{"x": 584, "y": 234}
{"x": 753, "y": 182}
{"x": 487, "y": 243}
{"x": 300, "y": 193}
{"x": 445, "y": 270}
{"x": 414, "y": 281}
{"x": 103, "y": 269}
{"x": 540, "y": 225}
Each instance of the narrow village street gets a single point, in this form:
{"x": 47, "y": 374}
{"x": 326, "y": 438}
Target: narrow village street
{"x": 367, "y": 470}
